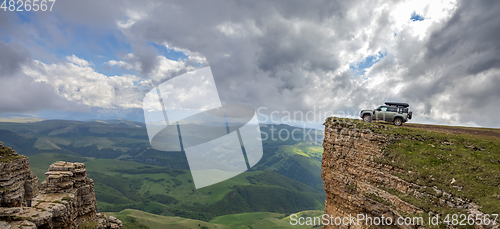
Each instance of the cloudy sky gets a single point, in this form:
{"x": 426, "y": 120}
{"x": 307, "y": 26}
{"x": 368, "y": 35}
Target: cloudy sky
{"x": 97, "y": 59}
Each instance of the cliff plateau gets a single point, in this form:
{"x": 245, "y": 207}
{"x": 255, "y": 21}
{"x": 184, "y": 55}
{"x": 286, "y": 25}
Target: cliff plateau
{"x": 371, "y": 169}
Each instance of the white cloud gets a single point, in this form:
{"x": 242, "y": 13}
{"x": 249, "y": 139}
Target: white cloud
{"x": 132, "y": 17}
{"x": 164, "y": 69}
{"x": 80, "y": 83}
{"x": 77, "y": 81}
{"x": 75, "y": 60}
{"x": 239, "y": 30}
{"x": 122, "y": 64}
{"x": 232, "y": 29}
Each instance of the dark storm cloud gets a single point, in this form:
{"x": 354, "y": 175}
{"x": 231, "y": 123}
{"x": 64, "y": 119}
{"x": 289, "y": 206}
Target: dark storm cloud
{"x": 24, "y": 95}
{"x": 460, "y": 63}
{"x": 146, "y": 57}
{"x": 97, "y": 14}
{"x": 11, "y": 58}
{"x": 473, "y": 31}
{"x": 266, "y": 60}
{"x": 302, "y": 50}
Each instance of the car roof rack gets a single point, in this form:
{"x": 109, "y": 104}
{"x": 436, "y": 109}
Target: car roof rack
{"x": 397, "y": 104}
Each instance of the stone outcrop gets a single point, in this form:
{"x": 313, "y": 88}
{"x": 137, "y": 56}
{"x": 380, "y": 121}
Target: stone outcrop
{"x": 66, "y": 198}
{"x": 18, "y": 185}
{"x": 356, "y": 184}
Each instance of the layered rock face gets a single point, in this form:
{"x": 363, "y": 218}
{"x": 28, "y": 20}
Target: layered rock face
{"x": 18, "y": 185}
{"x": 355, "y": 183}
{"x": 350, "y": 176}
{"x": 66, "y": 198}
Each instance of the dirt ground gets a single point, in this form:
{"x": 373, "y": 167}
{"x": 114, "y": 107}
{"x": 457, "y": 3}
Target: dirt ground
{"x": 480, "y": 131}
{"x": 456, "y": 129}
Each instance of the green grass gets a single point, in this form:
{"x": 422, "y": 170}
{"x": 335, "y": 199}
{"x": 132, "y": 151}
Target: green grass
{"x": 265, "y": 198}
{"x": 11, "y": 158}
{"x": 472, "y": 161}
{"x": 301, "y": 162}
{"x": 304, "y": 149}
{"x": 468, "y": 128}
{"x": 305, "y": 214}
{"x": 7, "y": 155}
{"x": 162, "y": 183}
{"x": 261, "y": 220}
{"x": 87, "y": 225}
{"x": 156, "y": 221}
{"x": 245, "y": 220}
{"x": 100, "y": 142}
{"x": 46, "y": 144}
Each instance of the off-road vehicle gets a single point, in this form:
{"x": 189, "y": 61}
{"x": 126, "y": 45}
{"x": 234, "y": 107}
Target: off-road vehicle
{"x": 392, "y": 112}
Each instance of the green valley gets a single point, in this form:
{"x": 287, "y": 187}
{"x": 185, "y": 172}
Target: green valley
{"x": 262, "y": 220}
{"x": 129, "y": 174}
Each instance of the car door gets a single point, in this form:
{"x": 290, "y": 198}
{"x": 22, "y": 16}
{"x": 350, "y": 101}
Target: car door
{"x": 391, "y": 113}
{"x": 380, "y": 113}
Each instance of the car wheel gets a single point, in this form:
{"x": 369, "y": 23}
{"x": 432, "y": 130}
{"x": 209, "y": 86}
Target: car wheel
{"x": 398, "y": 121}
{"x": 367, "y": 118}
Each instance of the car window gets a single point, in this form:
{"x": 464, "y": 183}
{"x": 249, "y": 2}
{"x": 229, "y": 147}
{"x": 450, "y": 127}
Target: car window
{"x": 405, "y": 110}
{"x": 383, "y": 108}
{"x": 392, "y": 109}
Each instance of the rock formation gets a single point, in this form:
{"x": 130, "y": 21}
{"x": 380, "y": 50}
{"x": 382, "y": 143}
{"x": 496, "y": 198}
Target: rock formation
{"x": 66, "y": 198}
{"x": 18, "y": 185}
{"x": 356, "y": 184}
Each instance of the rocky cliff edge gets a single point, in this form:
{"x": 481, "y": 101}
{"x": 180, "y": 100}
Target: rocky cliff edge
{"x": 65, "y": 199}
{"x": 360, "y": 179}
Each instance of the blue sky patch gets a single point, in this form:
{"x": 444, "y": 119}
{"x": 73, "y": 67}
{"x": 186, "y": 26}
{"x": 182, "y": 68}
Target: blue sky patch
{"x": 168, "y": 53}
{"x": 416, "y": 17}
{"x": 360, "y": 68}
